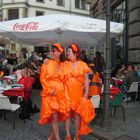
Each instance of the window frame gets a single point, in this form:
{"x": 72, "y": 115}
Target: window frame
{"x": 61, "y": 3}
{"x": 14, "y": 15}
{"x": 37, "y": 11}
{"x": 40, "y": 1}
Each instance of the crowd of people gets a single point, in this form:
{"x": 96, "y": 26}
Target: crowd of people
{"x": 67, "y": 80}
{"x": 128, "y": 74}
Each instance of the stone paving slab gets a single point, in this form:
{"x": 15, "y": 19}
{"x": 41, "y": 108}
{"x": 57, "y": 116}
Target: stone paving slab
{"x": 119, "y": 129}
{"x": 31, "y": 130}
{"x": 125, "y": 137}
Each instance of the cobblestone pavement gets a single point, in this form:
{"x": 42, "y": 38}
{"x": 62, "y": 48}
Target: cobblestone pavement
{"x": 30, "y": 130}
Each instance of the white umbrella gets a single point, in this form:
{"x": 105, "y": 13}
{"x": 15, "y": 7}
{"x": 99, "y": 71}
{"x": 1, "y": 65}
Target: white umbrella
{"x": 1, "y": 48}
{"x": 66, "y": 29}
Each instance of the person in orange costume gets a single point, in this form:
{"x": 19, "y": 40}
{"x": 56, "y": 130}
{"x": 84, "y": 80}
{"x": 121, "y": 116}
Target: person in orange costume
{"x": 78, "y": 86}
{"x": 95, "y": 85}
{"x": 53, "y": 107}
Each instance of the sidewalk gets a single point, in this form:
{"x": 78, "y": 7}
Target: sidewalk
{"x": 31, "y": 130}
{"x": 120, "y": 130}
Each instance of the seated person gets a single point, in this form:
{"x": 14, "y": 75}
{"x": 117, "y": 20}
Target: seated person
{"x": 27, "y": 104}
{"x": 131, "y": 76}
{"x": 33, "y": 73}
{"x": 121, "y": 72}
{"x": 27, "y": 81}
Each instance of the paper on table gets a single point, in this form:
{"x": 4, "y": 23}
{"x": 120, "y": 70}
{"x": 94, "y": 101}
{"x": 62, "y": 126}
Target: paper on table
{"x": 10, "y": 77}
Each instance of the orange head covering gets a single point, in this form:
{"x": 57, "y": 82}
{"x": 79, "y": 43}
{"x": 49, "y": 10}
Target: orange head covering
{"x": 58, "y": 46}
{"x": 74, "y": 47}
{"x": 91, "y": 65}
{"x": 1, "y": 73}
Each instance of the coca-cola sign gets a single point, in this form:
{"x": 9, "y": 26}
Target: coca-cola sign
{"x": 31, "y": 26}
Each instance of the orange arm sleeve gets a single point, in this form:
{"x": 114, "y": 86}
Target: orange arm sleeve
{"x": 44, "y": 79}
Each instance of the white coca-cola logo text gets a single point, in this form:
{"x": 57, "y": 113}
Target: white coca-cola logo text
{"x": 31, "y": 26}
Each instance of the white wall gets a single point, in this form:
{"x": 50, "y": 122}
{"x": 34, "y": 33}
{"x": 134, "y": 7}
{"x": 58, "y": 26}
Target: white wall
{"x": 52, "y": 5}
{"x": 12, "y": 1}
{"x": 48, "y": 7}
{"x": 32, "y": 11}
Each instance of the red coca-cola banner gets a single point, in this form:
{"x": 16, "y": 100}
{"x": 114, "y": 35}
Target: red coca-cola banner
{"x": 31, "y": 26}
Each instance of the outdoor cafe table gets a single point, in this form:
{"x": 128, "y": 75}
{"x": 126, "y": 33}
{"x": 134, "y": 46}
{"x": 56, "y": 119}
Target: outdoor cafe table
{"x": 14, "y": 92}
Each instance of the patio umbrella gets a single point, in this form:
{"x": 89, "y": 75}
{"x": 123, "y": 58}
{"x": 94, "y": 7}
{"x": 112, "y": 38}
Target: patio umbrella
{"x": 66, "y": 29}
{"x": 1, "y": 48}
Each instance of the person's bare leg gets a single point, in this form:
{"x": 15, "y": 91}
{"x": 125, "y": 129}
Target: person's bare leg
{"x": 67, "y": 126}
{"x": 52, "y": 136}
{"x": 77, "y": 124}
{"x": 55, "y": 126}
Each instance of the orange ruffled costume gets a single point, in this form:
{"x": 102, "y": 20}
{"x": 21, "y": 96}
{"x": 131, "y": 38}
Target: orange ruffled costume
{"x": 52, "y": 80}
{"x": 95, "y": 85}
{"x": 75, "y": 82}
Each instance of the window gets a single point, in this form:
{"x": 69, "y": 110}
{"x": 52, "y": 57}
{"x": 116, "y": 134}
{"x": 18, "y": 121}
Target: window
{"x": 83, "y": 4}
{"x": 40, "y": 0}
{"x": 26, "y": 13}
{"x": 60, "y": 2}
{"x": 13, "y": 14}
{"x": 80, "y": 4}
{"x": 39, "y": 13}
{"x": 0, "y": 15}
{"x": 77, "y": 4}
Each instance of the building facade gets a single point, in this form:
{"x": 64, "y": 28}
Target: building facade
{"x": 126, "y": 47}
{"x": 15, "y": 9}
{"x": 134, "y": 32}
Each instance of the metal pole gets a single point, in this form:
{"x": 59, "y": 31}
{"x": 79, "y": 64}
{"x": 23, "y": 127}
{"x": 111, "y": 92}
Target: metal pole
{"x": 106, "y": 93}
{"x": 125, "y": 55}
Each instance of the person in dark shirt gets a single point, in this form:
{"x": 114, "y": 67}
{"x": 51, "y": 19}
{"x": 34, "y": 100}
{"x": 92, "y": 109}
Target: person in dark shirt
{"x": 130, "y": 76}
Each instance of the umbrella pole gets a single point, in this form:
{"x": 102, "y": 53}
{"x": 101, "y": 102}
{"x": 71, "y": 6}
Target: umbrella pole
{"x": 107, "y": 72}
{"x": 59, "y": 36}
{"x": 59, "y": 33}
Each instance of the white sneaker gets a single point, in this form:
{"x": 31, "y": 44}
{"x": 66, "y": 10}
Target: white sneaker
{"x": 127, "y": 99}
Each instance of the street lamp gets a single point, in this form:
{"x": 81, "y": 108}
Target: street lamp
{"x": 126, "y": 34}
{"x": 107, "y": 72}
{"x": 105, "y": 122}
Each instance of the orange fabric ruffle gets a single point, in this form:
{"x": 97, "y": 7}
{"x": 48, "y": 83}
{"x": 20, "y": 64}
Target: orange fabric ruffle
{"x": 51, "y": 105}
{"x": 95, "y": 89}
{"x": 87, "y": 113}
{"x": 50, "y": 77}
{"x": 75, "y": 82}
{"x": 52, "y": 80}
{"x": 80, "y": 70}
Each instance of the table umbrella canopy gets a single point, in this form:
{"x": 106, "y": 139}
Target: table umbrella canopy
{"x": 58, "y": 28}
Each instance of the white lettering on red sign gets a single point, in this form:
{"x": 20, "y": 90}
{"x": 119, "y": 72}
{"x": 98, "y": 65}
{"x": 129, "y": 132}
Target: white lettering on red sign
{"x": 31, "y": 26}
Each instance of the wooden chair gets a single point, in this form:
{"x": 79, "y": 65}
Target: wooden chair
{"x": 6, "y": 105}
